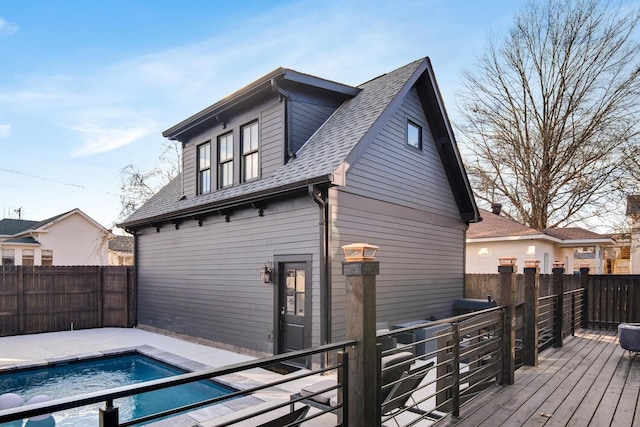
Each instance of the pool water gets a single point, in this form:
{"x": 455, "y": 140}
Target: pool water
{"x": 78, "y": 378}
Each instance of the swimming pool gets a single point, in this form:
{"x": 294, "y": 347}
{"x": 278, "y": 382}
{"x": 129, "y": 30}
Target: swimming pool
{"x": 102, "y": 373}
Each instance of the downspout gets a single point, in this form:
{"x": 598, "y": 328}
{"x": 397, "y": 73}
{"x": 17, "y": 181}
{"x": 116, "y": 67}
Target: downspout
{"x": 319, "y": 196}
{"x": 284, "y": 95}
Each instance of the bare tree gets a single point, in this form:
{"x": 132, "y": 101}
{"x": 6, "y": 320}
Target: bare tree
{"x": 137, "y": 186}
{"x": 549, "y": 113}
{"x": 12, "y": 213}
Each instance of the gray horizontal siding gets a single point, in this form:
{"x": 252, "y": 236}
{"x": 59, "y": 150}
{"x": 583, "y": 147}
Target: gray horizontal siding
{"x": 272, "y": 139}
{"x": 393, "y": 172}
{"x": 204, "y": 281}
{"x": 306, "y": 119}
{"x": 399, "y": 198}
{"x": 421, "y": 258}
{"x": 270, "y": 115}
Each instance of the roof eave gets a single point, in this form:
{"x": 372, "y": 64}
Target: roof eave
{"x": 228, "y": 203}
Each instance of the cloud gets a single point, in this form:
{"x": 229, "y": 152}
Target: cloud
{"x": 102, "y": 138}
{"x": 5, "y": 130}
{"x": 7, "y": 28}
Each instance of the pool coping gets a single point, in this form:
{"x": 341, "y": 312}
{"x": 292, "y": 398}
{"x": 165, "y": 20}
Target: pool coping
{"x": 191, "y": 418}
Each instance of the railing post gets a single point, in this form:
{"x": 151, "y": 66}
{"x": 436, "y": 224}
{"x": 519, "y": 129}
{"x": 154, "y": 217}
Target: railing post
{"x": 343, "y": 392}
{"x": 507, "y": 300}
{"x": 109, "y": 415}
{"x": 531, "y": 314}
{"x": 584, "y": 284}
{"x": 455, "y": 378}
{"x": 361, "y": 327}
{"x": 558, "y": 291}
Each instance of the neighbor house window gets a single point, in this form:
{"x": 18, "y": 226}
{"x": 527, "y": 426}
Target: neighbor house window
{"x": 414, "y": 135}
{"x": 204, "y": 168}
{"x": 8, "y": 257}
{"x": 225, "y": 160}
{"x": 27, "y": 257}
{"x": 47, "y": 257}
{"x": 249, "y": 136}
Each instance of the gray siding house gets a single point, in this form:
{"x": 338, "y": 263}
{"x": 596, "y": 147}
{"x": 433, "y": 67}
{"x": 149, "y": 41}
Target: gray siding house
{"x": 281, "y": 174}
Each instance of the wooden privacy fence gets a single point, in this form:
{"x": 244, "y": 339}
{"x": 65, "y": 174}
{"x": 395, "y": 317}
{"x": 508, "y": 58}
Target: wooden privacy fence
{"x": 37, "y": 299}
{"x": 613, "y": 299}
{"x": 482, "y": 285}
{"x": 608, "y": 300}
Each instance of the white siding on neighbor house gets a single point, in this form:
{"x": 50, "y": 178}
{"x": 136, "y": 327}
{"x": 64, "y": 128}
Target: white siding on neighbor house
{"x": 400, "y": 199}
{"x": 270, "y": 116}
{"x": 482, "y": 257}
{"x": 75, "y": 241}
{"x": 635, "y": 246}
{"x": 204, "y": 281}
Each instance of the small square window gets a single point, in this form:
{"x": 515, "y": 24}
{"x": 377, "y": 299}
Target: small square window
{"x": 414, "y": 135}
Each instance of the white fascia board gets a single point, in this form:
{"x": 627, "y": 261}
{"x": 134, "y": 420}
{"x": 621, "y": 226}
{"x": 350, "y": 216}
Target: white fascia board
{"x": 514, "y": 238}
{"x": 587, "y": 242}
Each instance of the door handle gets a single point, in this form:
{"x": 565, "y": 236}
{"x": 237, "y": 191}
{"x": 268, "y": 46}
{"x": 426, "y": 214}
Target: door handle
{"x": 282, "y": 310}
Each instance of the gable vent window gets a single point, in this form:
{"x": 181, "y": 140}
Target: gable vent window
{"x": 225, "y": 160}
{"x": 204, "y": 168}
{"x": 414, "y": 135}
{"x": 250, "y": 165}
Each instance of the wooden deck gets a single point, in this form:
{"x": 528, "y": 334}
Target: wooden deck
{"x": 591, "y": 381}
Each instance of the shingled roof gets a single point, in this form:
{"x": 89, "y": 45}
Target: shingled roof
{"x": 574, "y": 233}
{"x": 324, "y": 158}
{"x": 496, "y": 226}
{"x": 9, "y": 226}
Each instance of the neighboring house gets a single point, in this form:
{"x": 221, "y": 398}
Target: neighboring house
{"x": 120, "y": 250}
{"x": 497, "y": 236}
{"x": 277, "y": 177}
{"x": 71, "y": 238}
{"x": 633, "y": 215}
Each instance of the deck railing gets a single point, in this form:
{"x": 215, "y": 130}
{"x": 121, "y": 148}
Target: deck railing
{"x": 109, "y": 414}
{"x": 466, "y": 352}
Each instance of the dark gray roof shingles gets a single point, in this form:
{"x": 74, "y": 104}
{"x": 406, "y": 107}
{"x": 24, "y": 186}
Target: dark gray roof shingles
{"x": 319, "y": 157}
{"x": 9, "y": 226}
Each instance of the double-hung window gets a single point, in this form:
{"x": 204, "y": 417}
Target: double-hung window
{"x": 204, "y": 168}
{"x": 250, "y": 164}
{"x": 414, "y": 135}
{"x": 47, "y": 257}
{"x": 225, "y": 160}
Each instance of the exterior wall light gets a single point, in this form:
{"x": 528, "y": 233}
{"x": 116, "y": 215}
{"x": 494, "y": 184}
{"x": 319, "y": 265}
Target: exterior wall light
{"x": 266, "y": 273}
{"x": 509, "y": 261}
{"x": 356, "y": 252}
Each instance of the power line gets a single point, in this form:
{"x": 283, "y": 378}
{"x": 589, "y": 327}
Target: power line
{"x": 56, "y": 181}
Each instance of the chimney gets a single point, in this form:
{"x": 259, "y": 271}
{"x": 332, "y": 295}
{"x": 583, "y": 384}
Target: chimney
{"x": 496, "y": 208}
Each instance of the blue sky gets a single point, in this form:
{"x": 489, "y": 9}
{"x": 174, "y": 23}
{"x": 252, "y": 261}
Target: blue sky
{"x": 87, "y": 87}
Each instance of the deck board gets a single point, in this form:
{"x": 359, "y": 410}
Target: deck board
{"x": 590, "y": 381}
